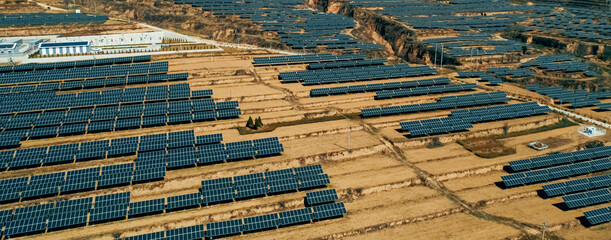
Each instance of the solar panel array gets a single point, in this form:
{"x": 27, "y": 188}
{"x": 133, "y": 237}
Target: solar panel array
{"x": 107, "y": 110}
{"x": 579, "y": 185}
{"x": 482, "y": 76}
{"x": 92, "y": 72}
{"x": 318, "y": 92}
{"x": 409, "y": 92}
{"x": 298, "y": 28}
{"x": 74, "y": 64}
{"x": 350, "y": 63}
{"x": 306, "y": 58}
{"x": 577, "y": 98}
{"x": 558, "y": 166}
{"x": 588, "y": 198}
{"x": 574, "y": 23}
{"x": 23, "y": 19}
{"x": 258, "y": 223}
{"x": 443, "y": 103}
{"x": 321, "y": 197}
{"x": 155, "y": 154}
{"x": 598, "y": 216}
{"x": 515, "y": 73}
{"x": 70, "y": 85}
{"x": 435, "y": 126}
{"x": 339, "y": 75}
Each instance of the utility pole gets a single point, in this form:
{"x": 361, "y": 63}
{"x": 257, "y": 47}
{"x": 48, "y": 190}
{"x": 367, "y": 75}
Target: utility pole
{"x": 348, "y": 135}
{"x": 435, "y": 62}
{"x": 441, "y": 57}
{"x": 543, "y": 234}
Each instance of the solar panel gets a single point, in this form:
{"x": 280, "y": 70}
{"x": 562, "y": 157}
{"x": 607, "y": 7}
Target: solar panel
{"x": 186, "y": 233}
{"x": 261, "y": 222}
{"x": 329, "y": 210}
{"x": 184, "y": 201}
{"x": 148, "y": 236}
{"x": 225, "y": 228}
{"x": 146, "y": 207}
{"x": 319, "y": 197}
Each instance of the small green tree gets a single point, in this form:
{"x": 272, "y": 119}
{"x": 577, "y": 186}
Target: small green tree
{"x": 258, "y": 123}
{"x": 524, "y": 49}
{"x": 250, "y": 123}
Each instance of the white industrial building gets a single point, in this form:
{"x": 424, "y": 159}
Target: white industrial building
{"x": 60, "y": 48}
{"x": 10, "y": 46}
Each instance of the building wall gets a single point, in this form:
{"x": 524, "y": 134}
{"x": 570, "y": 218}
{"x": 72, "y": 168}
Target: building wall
{"x": 117, "y": 39}
{"x": 64, "y": 50}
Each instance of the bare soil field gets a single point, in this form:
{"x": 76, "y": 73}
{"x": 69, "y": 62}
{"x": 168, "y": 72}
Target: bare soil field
{"x": 393, "y": 186}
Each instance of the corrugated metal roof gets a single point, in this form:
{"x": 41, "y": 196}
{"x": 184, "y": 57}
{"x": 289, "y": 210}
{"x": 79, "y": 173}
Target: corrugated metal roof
{"x": 64, "y": 44}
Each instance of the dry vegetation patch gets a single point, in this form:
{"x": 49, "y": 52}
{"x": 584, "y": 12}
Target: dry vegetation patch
{"x": 486, "y": 147}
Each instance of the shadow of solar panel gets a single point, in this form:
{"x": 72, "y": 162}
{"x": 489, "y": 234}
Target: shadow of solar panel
{"x": 261, "y": 223}
{"x": 25, "y": 227}
{"x": 308, "y": 170}
{"x": 329, "y": 210}
{"x": 148, "y": 236}
{"x": 314, "y": 181}
{"x": 107, "y": 214}
{"x": 293, "y": 217}
{"x": 185, "y": 201}
{"x": 320, "y": 197}
{"x": 145, "y": 208}
{"x": 73, "y": 219}
{"x": 186, "y": 233}
{"x": 225, "y": 228}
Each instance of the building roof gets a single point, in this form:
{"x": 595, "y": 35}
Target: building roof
{"x": 64, "y": 44}
{"x": 8, "y": 45}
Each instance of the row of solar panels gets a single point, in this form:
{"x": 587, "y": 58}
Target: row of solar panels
{"x": 558, "y": 172}
{"x": 559, "y": 159}
{"x": 516, "y": 73}
{"x": 74, "y": 64}
{"x": 579, "y": 185}
{"x": 49, "y": 100}
{"x": 11, "y": 78}
{"x": 94, "y": 83}
{"x": 49, "y": 19}
{"x": 501, "y": 112}
{"x": 148, "y": 166}
{"x": 317, "y": 92}
{"x": 598, "y": 216}
{"x": 117, "y": 206}
{"x": 302, "y": 59}
{"x": 588, "y": 198}
{"x": 548, "y": 59}
{"x": 338, "y": 75}
{"x": 68, "y": 153}
{"x": 443, "y": 103}
{"x": 251, "y": 224}
{"x": 9, "y": 139}
{"x": 349, "y": 63}
{"x": 577, "y": 98}
{"x": 86, "y": 115}
{"x": 463, "y": 119}
{"x": 409, "y": 92}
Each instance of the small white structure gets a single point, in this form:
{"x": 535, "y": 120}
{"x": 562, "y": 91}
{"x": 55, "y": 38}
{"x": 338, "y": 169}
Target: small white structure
{"x": 592, "y": 131}
{"x": 10, "y": 46}
{"x": 539, "y": 146}
{"x": 59, "y": 48}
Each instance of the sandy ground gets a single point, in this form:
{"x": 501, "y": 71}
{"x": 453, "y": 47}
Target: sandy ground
{"x": 377, "y": 171}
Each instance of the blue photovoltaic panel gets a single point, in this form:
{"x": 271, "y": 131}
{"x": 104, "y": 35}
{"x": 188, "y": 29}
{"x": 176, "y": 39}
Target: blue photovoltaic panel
{"x": 319, "y": 197}
{"x": 146, "y": 207}
{"x": 225, "y": 228}
{"x": 261, "y": 222}
{"x": 148, "y": 236}
{"x": 297, "y": 216}
{"x": 184, "y": 201}
{"x": 308, "y": 170}
{"x": 329, "y": 210}
{"x": 314, "y": 181}
{"x": 216, "y": 183}
{"x": 186, "y": 233}
{"x": 218, "y": 195}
